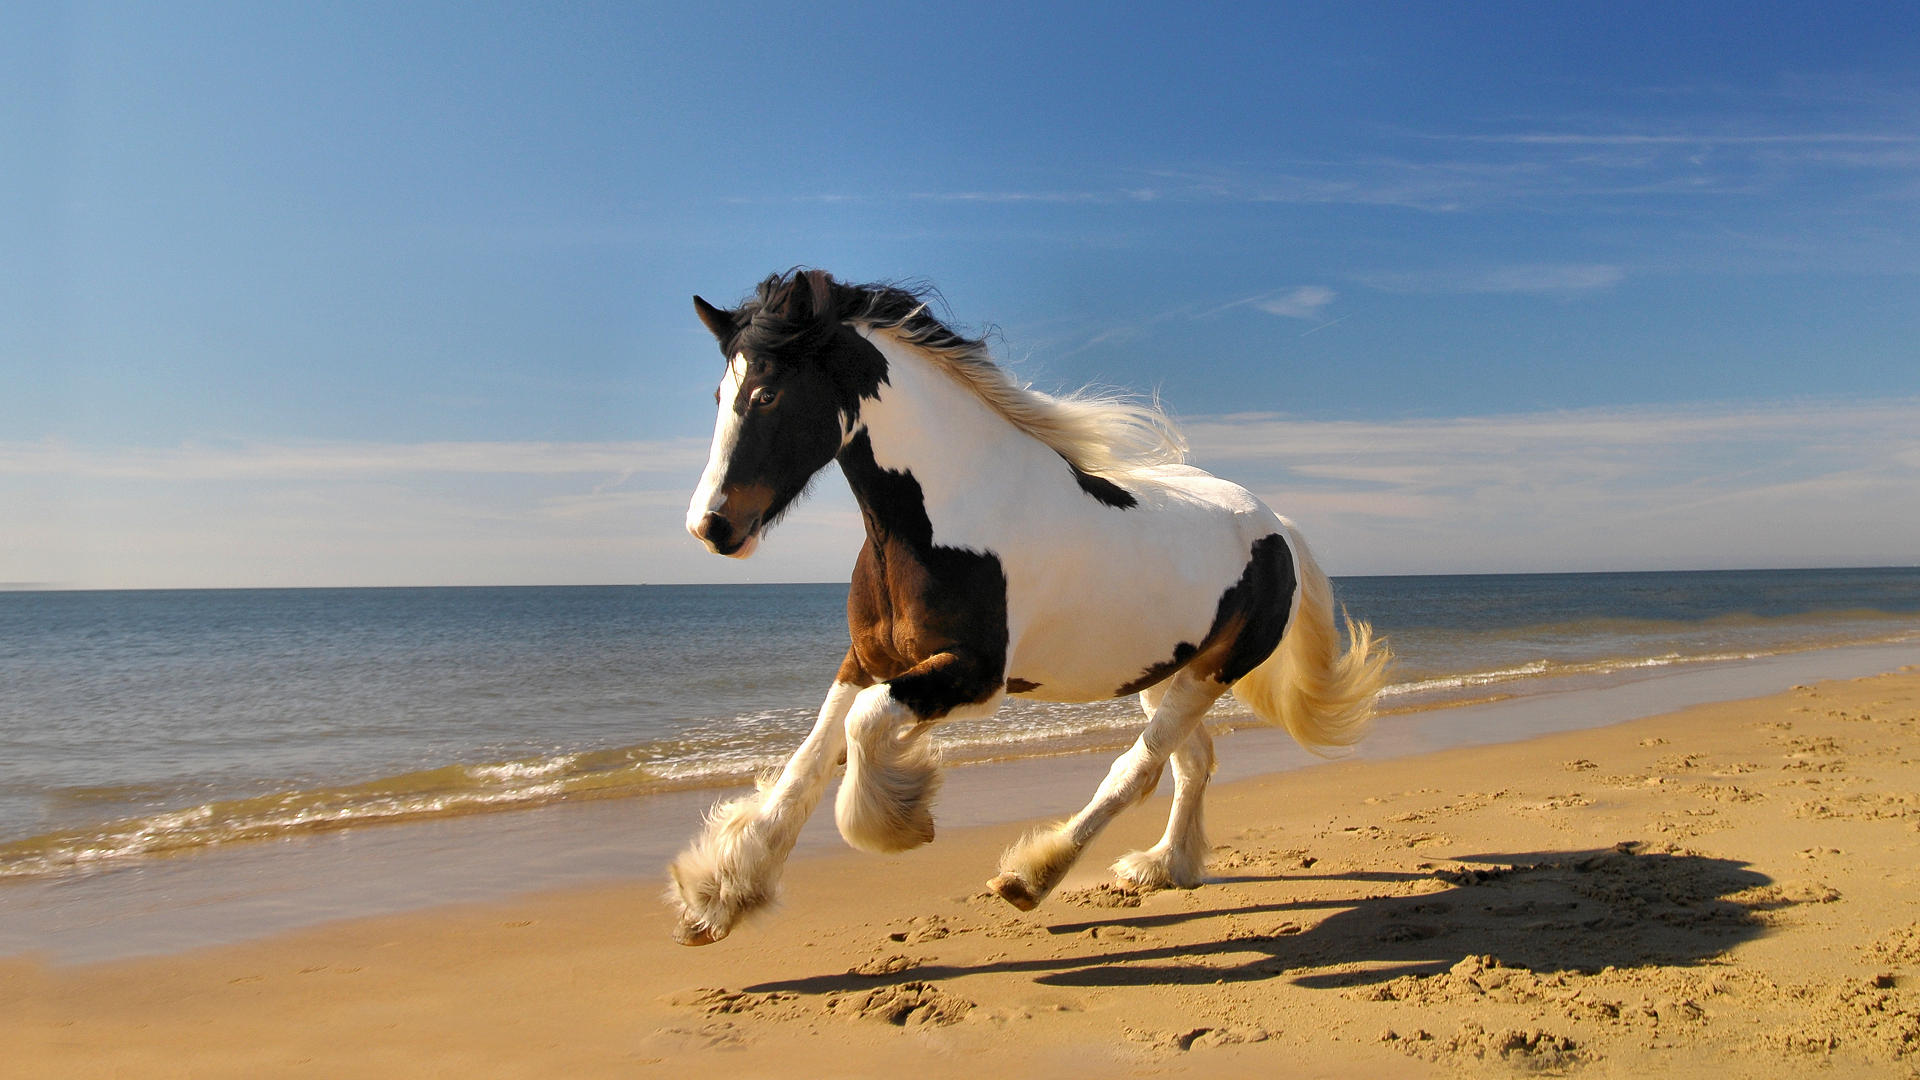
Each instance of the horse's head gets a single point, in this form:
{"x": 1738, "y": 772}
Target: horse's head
{"x": 788, "y": 402}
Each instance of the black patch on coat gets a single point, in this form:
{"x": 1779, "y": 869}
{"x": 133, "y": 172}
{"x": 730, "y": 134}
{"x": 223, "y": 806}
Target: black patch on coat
{"x": 1247, "y": 625}
{"x": 1182, "y": 653}
{"x": 891, "y": 502}
{"x": 1021, "y": 686}
{"x": 929, "y": 620}
{"x": 856, "y": 368}
{"x": 1103, "y": 489}
{"x": 1264, "y": 595}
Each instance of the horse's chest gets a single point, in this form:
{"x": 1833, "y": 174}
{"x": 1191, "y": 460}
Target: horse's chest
{"x": 908, "y": 605}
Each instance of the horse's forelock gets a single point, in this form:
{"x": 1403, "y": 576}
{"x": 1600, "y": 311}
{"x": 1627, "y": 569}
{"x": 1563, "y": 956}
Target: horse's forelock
{"x": 786, "y": 306}
{"x": 787, "y": 309}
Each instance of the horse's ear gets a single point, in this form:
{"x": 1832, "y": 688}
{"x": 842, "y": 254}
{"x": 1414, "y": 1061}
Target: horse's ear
{"x": 820, "y": 291}
{"x": 718, "y": 321}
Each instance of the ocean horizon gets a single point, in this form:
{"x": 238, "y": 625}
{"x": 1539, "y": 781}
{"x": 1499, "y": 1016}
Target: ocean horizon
{"x": 55, "y": 586}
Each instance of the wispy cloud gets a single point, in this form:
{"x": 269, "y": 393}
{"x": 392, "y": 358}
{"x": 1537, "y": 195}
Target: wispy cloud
{"x": 1806, "y": 483}
{"x": 1299, "y": 302}
{"x": 1791, "y": 484}
{"x": 1574, "y": 138}
{"x": 1722, "y": 153}
{"x": 1386, "y": 181}
{"x": 270, "y": 461}
{"x": 1873, "y": 429}
{"x": 1563, "y": 278}
{"x": 1305, "y": 302}
{"x": 1122, "y": 195}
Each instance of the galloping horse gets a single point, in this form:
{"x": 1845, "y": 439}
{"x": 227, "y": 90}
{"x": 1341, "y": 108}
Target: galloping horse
{"x": 1017, "y": 543}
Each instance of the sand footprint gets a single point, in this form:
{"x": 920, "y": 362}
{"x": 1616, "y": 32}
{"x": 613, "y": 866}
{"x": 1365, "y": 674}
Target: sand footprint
{"x": 1199, "y": 1037}
{"x": 922, "y": 928}
{"x": 910, "y": 1004}
{"x": 1105, "y": 895}
{"x": 882, "y": 966}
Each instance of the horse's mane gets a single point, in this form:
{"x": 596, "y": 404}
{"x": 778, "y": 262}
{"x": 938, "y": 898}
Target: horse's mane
{"x": 1097, "y": 432}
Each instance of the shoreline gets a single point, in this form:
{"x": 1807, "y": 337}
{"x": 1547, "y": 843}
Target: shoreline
{"x": 1729, "y": 889}
{"x": 174, "y": 731}
{"x": 456, "y": 789}
{"x": 246, "y": 890}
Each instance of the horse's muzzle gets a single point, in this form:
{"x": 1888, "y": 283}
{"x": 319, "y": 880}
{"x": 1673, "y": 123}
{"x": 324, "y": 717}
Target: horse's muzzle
{"x": 714, "y": 530}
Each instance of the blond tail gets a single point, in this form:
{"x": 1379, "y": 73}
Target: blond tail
{"x": 1323, "y": 697}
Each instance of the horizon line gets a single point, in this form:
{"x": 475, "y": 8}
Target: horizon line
{"x": 54, "y": 587}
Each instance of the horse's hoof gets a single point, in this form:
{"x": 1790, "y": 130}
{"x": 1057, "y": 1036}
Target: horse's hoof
{"x": 695, "y": 934}
{"x": 1150, "y": 871}
{"x": 1013, "y": 889}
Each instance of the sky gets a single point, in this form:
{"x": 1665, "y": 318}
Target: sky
{"x": 367, "y": 294}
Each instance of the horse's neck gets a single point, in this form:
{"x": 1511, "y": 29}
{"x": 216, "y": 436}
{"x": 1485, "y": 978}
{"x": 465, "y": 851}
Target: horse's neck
{"x": 957, "y": 447}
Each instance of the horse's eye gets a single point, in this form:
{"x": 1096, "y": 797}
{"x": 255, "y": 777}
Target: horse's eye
{"x": 764, "y": 397}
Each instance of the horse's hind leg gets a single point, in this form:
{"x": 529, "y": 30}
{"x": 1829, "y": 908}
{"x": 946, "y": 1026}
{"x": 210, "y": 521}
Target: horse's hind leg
{"x": 1031, "y": 868}
{"x": 734, "y": 866}
{"x": 1179, "y": 860}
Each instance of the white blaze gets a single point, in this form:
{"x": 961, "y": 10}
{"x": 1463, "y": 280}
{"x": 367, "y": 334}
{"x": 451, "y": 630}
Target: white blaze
{"x": 707, "y": 497}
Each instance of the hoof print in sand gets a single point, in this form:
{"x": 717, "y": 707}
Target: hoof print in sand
{"x": 1901, "y": 947}
{"x": 1199, "y": 1038}
{"x": 924, "y": 928}
{"x": 1103, "y": 896}
{"x": 716, "y": 1001}
{"x": 882, "y": 966}
{"x": 1532, "y": 1049}
{"x": 911, "y": 1004}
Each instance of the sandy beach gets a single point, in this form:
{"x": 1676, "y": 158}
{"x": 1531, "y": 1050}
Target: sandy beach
{"x": 1727, "y": 890}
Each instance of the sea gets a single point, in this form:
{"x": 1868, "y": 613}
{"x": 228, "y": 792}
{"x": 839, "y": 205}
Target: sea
{"x": 142, "y": 722}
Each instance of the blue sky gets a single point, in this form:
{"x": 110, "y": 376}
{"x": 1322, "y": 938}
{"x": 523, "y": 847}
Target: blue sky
{"x": 391, "y": 294}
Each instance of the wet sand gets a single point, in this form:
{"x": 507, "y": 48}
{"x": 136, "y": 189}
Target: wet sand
{"x": 1729, "y": 889}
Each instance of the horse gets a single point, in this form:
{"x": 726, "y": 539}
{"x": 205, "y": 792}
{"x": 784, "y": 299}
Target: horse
{"x": 1017, "y": 544}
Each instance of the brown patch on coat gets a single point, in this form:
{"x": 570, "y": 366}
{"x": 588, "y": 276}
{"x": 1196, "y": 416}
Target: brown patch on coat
{"x": 929, "y": 620}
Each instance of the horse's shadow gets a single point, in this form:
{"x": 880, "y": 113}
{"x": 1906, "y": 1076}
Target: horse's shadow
{"x": 1547, "y": 911}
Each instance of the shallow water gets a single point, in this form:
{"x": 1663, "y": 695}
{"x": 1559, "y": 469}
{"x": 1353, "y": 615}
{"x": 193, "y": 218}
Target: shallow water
{"x": 213, "y": 895}
{"x": 140, "y": 722}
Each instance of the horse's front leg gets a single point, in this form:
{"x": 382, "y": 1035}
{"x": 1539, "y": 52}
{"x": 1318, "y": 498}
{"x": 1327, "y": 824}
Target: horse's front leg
{"x": 734, "y": 867}
{"x": 886, "y": 801}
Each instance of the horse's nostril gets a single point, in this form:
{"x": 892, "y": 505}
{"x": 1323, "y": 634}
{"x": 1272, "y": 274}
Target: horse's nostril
{"x": 713, "y": 529}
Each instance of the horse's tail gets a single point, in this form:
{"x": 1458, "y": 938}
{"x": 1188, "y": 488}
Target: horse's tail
{"x": 1323, "y": 696}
